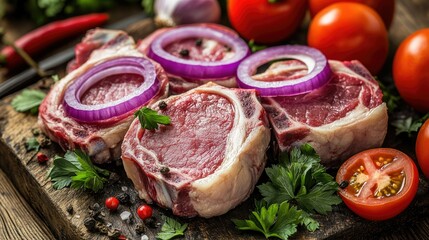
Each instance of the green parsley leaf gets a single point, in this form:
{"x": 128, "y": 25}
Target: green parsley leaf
{"x": 32, "y": 144}
{"x": 255, "y": 47}
{"x": 149, "y": 119}
{"x": 76, "y": 170}
{"x": 299, "y": 177}
{"x": 171, "y": 229}
{"x": 148, "y": 6}
{"x": 278, "y": 220}
{"x": 28, "y": 100}
{"x": 56, "y": 78}
{"x": 390, "y": 96}
{"x": 409, "y": 125}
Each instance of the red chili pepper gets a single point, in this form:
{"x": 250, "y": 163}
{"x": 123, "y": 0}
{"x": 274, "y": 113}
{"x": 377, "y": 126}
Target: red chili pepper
{"x": 41, "y": 157}
{"x": 41, "y": 38}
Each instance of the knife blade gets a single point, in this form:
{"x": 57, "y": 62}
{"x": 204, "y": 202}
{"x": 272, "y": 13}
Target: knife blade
{"x": 27, "y": 77}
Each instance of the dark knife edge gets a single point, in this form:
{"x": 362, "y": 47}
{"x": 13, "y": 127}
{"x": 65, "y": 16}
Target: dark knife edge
{"x": 27, "y": 77}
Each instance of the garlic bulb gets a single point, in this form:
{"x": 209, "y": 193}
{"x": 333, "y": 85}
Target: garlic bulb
{"x": 176, "y": 12}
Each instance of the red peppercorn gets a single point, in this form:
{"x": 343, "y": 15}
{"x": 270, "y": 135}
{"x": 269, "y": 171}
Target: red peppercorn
{"x": 41, "y": 157}
{"x": 144, "y": 211}
{"x": 122, "y": 237}
{"x": 112, "y": 203}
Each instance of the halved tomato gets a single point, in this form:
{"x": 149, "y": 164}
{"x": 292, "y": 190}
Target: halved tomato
{"x": 378, "y": 184}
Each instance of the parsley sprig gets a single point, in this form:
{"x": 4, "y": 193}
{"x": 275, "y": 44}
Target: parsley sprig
{"x": 299, "y": 179}
{"x": 171, "y": 229}
{"x": 76, "y": 170}
{"x": 28, "y": 100}
{"x": 32, "y": 144}
{"x": 149, "y": 119}
{"x": 409, "y": 125}
{"x": 277, "y": 220}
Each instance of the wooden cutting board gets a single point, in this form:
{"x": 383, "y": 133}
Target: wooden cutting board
{"x": 30, "y": 178}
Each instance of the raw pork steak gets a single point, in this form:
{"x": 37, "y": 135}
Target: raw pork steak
{"x": 208, "y": 159}
{"x": 345, "y": 116}
{"x": 101, "y": 140}
{"x": 210, "y": 50}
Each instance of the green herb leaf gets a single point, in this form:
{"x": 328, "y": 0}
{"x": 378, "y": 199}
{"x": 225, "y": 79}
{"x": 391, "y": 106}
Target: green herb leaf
{"x": 76, "y": 170}
{"x": 278, "y": 220}
{"x": 28, "y": 100}
{"x": 409, "y": 125}
{"x": 255, "y": 47}
{"x": 148, "y": 7}
{"x": 171, "y": 229}
{"x": 56, "y": 78}
{"x": 390, "y": 96}
{"x": 149, "y": 119}
{"x": 32, "y": 144}
{"x": 302, "y": 179}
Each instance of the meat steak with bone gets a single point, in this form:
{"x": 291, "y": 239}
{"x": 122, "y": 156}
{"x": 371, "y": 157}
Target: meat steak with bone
{"x": 196, "y": 54}
{"x": 340, "y": 113}
{"x": 208, "y": 159}
{"x": 92, "y": 107}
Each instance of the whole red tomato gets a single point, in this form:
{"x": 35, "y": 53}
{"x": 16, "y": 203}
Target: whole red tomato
{"x": 378, "y": 184}
{"x": 410, "y": 70}
{"x": 350, "y": 31}
{"x": 422, "y": 148}
{"x": 385, "y": 8}
{"x": 266, "y": 21}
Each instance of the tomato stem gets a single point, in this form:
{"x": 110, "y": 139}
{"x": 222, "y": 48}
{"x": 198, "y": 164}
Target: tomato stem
{"x": 274, "y": 1}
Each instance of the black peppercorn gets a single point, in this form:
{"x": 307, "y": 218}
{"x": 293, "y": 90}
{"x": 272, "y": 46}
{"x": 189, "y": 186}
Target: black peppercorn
{"x": 123, "y": 198}
{"x": 198, "y": 42}
{"x": 164, "y": 170}
{"x": 162, "y": 105}
{"x": 69, "y": 209}
{"x": 140, "y": 228}
{"x": 89, "y": 223}
{"x": 150, "y": 222}
{"x": 344, "y": 184}
{"x": 184, "y": 52}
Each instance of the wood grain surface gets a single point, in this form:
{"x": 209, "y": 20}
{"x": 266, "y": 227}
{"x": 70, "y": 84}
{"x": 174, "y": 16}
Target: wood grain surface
{"x": 29, "y": 178}
{"x": 17, "y": 218}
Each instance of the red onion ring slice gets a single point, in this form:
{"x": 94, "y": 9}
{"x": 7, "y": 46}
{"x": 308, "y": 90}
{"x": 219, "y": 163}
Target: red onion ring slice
{"x": 198, "y": 69}
{"x": 319, "y": 72}
{"x": 99, "y": 112}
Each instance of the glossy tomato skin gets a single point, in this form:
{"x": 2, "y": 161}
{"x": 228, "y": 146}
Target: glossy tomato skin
{"x": 266, "y": 22}
{"x": 422, "y": 148}
{"x": 365, "y": 203}
{"x": 385, "y": 8}
{"x": 410, "y": 70}
{"x": 350, "y": 31}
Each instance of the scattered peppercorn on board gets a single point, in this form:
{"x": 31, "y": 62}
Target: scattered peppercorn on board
{"x": 65, "y": 210}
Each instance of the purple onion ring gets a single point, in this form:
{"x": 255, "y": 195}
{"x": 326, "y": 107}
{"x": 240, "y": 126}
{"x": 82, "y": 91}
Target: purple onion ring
{"x": 198, "y": 69}
{"x": 99, "y": 112}
{"x": 319, "y": 71}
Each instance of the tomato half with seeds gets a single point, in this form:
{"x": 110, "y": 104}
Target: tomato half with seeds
{"x": 382, "y": 182}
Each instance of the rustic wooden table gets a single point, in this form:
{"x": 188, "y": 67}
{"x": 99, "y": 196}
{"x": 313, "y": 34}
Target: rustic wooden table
{"x": 19, "y": 221}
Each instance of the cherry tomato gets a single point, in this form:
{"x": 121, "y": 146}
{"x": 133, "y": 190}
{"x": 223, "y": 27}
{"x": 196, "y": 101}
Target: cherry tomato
{"x": 112, "y": 203}
{"x": 144, "y": 211}
{"x": 422, "y": 150}
{"x": 410, "y": 70}
{"x": 382, "y": 182}
{"x": 385, "y": 8}
{"x": 350, "y": 31}
{"x": 266, "y": 22}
